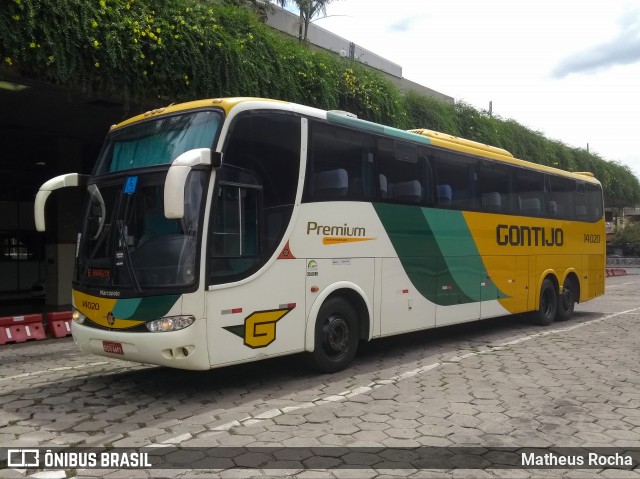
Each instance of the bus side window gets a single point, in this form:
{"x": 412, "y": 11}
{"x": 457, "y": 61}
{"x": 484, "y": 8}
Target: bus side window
{"x": 330, "y": 183}
{"x": 235, "y": 237}
{"x": 594, "y": 194}
{"x": 445, "y": 195}
{"x": 530, "y": 190}
{"x": 340, "y": 165}
{"x": 455, "y": 176}
{"x": 404, "y": 173}
{"x": 561, "y": 196}
{"x": 251, "y": 212}
{"x": 582, "y": 206}
{"x": 494, "y": 188}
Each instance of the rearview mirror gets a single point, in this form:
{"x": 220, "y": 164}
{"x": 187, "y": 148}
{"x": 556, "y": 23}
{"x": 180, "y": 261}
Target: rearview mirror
{"x": 62, "y": 181}
{"x": 177, "y": 178}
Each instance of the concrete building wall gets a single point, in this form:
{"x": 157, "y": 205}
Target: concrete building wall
{"x": 317, "y": 36}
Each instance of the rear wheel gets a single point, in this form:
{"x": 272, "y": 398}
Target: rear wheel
{"x": 548, "y": 305}
{"x": 336, "y": 338}
{"x": 567, "y": 300}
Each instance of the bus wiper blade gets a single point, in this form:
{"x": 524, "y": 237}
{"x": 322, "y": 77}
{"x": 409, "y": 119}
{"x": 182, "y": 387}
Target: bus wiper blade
{"x": 127, "y": 256}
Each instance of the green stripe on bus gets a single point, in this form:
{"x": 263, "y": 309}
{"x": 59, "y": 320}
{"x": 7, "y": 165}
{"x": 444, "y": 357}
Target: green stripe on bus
{"x": 345, "y": 120}
{"x": 419, "y": 253}
{"x": 460, "y": 253}
{"x": 126, "y": 308}
{"x": 437, "y": 251}
{"x": 154, "y": 307}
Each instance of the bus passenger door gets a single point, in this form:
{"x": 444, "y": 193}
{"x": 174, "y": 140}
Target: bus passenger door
{"x": 255, "y": 309}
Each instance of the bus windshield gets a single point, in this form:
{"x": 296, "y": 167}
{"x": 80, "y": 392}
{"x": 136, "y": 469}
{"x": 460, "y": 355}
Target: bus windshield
{"x": 128, "y": 244}
{"x": 158, "y": 141}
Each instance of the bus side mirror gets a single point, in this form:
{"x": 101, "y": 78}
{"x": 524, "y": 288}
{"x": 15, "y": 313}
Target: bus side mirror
{"x": 177, "y": 178}
{"x": 62, "y": 181}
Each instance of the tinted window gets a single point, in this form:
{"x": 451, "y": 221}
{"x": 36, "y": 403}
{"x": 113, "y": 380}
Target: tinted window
{"x": 157, "y": 141}
{"x": 255, "y": 194}
{"x": 594, "y": 194}
{"x": 456, "y": 180}
{"x": 403, "y": 172}
{"x": 268, "y": 145}
{"x": 529, "y": 186}
{"x": 494, "y": 190}
{"x": 561, "y": 196}
{"x": 340, "y": 166}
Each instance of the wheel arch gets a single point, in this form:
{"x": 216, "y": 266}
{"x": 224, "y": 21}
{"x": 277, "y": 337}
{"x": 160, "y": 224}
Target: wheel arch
{"x": 547, "y": 274}
{"x": 355, "y": 296}
{"x": 572, "y": 274}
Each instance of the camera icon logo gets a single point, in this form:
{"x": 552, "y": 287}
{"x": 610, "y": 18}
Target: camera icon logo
{"x": 22, "y": 458}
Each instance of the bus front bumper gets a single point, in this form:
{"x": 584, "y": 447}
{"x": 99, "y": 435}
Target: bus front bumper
{"x": 183, "y": 349}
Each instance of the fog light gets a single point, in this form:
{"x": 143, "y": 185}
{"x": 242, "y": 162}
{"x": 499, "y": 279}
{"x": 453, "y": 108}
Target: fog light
{"x": 170, "y": 323}
{"x": 78, "y": 317}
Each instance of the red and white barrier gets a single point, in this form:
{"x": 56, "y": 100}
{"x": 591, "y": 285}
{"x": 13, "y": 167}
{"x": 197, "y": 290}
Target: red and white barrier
{"x": 616, "y": 272}
{"x": 18, "y": 329}
{"x": 59, "y": 324}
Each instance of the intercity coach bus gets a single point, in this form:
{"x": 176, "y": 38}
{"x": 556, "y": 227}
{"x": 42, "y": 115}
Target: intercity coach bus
{"x": 223, "y": 231}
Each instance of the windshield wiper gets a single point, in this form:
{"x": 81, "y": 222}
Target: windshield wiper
{"x": 122, "y": 237}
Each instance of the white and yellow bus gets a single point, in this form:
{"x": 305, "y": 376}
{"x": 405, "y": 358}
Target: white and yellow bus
{"x": 229, "y": 230}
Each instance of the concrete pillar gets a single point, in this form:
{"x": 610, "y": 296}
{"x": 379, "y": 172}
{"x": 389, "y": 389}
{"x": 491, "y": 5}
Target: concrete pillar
{"x": 63, "y": 216}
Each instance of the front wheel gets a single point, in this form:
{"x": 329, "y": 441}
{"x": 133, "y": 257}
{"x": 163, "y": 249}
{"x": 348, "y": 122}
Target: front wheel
{"x": 567, "y": 300}
{"x": 547, "y": 307}
{"x": 336, "y": 338}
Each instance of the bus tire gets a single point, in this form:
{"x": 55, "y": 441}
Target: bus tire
{"x": 336, "y": 335}
{"x": 548, "y": 304}
{"x": 566, "y": 300}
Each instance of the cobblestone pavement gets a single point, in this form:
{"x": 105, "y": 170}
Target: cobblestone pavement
{"x": 497, "y": 383}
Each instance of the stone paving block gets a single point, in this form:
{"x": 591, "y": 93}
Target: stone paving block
{"x": 558, "y": 389}
{"x": 132, "y": 442}
{"x": 464, "y": 420}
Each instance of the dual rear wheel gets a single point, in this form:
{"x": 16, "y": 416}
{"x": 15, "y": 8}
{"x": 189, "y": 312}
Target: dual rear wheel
{"x": 554, "y": 306}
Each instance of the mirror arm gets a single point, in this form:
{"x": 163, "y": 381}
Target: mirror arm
{"x": 62, "y": 181}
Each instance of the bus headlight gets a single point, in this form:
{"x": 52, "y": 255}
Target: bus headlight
{"x": 78, "y": 317}
{"x": 170, "y": 323}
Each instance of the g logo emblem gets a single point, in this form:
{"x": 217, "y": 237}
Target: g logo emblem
{"x": 259, "y": 329}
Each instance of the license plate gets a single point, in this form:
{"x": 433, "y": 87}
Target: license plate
{"x": 112, "y": 347}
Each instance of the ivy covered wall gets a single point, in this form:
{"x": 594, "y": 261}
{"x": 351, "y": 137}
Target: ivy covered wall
{"x": 168, "y": 51}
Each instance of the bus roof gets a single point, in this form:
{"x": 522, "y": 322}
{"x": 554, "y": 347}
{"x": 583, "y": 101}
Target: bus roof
{"x": 450, "y": 139}
{"x": 421, "y": 135}
{"x": 225, "y": 103}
